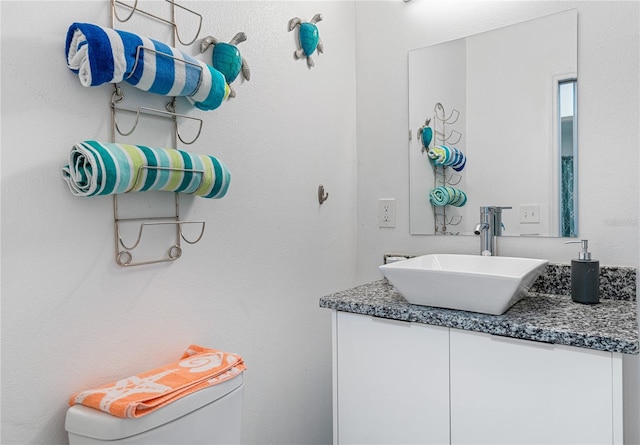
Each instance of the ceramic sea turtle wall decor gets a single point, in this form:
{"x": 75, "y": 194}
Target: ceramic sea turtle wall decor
{"x": 425, "y": 133}
{"x": 308, "y": 38}
{"x": 227, "y": 59}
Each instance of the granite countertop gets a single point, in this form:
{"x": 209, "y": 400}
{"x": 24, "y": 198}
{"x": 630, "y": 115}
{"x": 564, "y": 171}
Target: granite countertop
{"x": 611, "y": 325}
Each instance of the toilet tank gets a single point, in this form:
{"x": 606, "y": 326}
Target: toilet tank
{"x": 209, "y": 416}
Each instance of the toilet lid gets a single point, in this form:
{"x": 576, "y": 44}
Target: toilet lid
{"x": 90, "y": 422}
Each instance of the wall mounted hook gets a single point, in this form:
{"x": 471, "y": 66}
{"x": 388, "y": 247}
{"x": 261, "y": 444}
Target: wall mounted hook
{"x": 322, "y": 196}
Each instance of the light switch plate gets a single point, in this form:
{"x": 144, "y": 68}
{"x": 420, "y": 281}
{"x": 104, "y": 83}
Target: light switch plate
{"x": 530, "y": 214}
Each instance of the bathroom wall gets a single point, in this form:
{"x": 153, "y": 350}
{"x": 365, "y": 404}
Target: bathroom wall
{"x": 608, "y": 116}
{"x": 72, "y": 318}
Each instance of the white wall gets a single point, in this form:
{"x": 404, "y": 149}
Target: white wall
{"x": 608, "y": 116}
{"x": 72, "y": 318}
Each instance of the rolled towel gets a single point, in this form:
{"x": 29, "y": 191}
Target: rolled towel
{"x": 141, "y": 394}
{"x": 444, "y": 195}
{"x": 99, "y": 168}
{"x": 104, "y": 55}
{"x": 444, "y": 156}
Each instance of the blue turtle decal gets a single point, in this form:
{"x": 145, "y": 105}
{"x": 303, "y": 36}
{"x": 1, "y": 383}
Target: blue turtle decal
{"x": 308, "y": 38}
{"x": 227, "y": 59}
{"x": 426, "y": 134}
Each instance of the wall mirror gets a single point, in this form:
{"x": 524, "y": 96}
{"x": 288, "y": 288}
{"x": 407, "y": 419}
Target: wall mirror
{"x": 506, "y": 100}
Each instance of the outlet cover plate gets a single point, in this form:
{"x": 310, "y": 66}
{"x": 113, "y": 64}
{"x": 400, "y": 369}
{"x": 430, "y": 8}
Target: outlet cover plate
{"x": 387, "y": 212}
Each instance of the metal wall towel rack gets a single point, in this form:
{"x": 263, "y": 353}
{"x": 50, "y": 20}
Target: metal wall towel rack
{"x": 124, "y": 250}
{"x": 442, "y": 175}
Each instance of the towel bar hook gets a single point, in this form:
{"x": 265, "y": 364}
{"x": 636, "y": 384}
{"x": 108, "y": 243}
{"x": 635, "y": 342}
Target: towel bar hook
{"x": 453, "y": 116}
{"x": 160, "y": 223}
{"x": 191, "y": 222}
{"x": 322, "y": 195}
{"x": 133, "y": 8}
{"x": 171, "y": 23}
{"x": 451, "y": 221}
{"x": 451, "y": 179}
{"x": 175, "y": 24}
{"x": 447, "y": 138}
{"x": 118, "y": 96}
{"x": 171, "y": 108}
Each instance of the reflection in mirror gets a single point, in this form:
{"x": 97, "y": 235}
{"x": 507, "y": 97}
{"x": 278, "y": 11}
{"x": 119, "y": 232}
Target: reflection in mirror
{"x": 568, "y": 150}
{"x": 513, "y": 124}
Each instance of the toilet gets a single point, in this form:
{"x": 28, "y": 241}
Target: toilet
{"x": 209, "y": 416}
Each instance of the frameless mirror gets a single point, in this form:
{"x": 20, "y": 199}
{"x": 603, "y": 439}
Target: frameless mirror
{"x": 504, "y": 100}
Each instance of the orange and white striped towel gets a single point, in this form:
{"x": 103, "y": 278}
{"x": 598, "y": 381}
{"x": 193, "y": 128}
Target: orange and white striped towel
{"x": 143, "y": 393}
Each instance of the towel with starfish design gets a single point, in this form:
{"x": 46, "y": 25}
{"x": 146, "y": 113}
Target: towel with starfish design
{"x": 143, "y": 393}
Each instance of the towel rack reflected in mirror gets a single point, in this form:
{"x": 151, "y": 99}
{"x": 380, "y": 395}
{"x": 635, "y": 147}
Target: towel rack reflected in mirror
{"x": 442, "y": 176}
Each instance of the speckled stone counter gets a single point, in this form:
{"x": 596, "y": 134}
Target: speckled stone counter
{"x": 610, "y": 325}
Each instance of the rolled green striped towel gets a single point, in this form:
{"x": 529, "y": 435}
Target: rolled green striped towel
{"x": 104, "y": 168}
{"x": 445, "y": 195}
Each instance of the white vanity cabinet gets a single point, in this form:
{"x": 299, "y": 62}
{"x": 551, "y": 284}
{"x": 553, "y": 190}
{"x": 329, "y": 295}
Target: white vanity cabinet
{"x": 391, "y": 382}
{"x": 400, "y": 383}
{"x": 508, "y": 391}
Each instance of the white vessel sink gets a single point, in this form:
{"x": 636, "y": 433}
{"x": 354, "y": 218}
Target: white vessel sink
{"x": 485, "y": 284}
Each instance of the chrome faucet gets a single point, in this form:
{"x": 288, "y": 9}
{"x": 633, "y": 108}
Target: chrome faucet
{"x": 489, "y": 227}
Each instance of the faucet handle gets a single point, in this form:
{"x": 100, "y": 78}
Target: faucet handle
{"x": 494, "y": 208}
{"x": 496, "y": 211}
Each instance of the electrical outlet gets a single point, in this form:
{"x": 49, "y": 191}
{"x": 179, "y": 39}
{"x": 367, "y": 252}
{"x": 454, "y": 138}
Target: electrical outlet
{"x": 530, "y": 214}
{"x": 387, "y": 213}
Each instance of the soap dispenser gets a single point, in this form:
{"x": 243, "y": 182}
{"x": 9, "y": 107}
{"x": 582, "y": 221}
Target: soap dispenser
{"x": 585, "y": 276}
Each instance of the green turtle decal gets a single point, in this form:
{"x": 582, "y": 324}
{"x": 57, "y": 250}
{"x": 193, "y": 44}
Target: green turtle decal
{"x": 308, "y": 38}
{"x": 425, "y": 133}
{"x": 227, "y": 59}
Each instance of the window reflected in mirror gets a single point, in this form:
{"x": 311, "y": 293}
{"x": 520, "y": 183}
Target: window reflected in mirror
{"x": 568, "y": 150}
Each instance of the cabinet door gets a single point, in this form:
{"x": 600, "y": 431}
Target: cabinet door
{"x": 507, "y": 391}
{"x": 392, "y": 381}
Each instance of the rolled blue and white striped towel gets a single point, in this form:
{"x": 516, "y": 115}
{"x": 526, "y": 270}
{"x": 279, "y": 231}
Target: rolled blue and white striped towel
{"x": 104, "y": 55}
{"x": 441, "y": 155}
{"x": 99, "y": 168}
{"x": 445, "y": 195}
